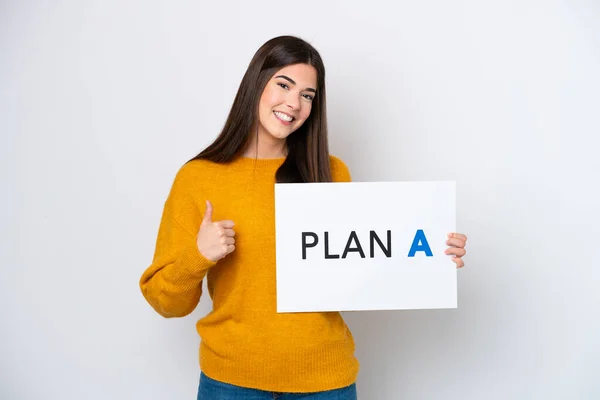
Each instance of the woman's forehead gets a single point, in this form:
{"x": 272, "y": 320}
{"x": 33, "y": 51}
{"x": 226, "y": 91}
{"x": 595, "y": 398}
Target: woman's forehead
{"x": 301, "y": 74}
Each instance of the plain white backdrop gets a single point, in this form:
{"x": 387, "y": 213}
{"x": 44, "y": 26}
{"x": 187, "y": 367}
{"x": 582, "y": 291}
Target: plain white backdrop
{"x": 102, "y": 101}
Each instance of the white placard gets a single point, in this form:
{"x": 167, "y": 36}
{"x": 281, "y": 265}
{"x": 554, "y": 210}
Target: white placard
{"x": 347, "y": 246}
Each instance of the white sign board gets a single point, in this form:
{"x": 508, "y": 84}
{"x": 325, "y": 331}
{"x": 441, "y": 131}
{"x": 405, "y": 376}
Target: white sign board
{"x": 364, "y": 246}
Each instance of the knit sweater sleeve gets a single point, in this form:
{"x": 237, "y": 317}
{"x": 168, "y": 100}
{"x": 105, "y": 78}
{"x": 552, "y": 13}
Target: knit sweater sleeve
{"x": 172, "y": 284}
{"x": 339, "y": 171}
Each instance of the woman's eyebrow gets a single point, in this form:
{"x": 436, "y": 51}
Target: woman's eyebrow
{"x": 292, "y": 82}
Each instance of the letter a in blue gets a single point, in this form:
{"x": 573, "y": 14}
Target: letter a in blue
{"x": 420, "y": 244}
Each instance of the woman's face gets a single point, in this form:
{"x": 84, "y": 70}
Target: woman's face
{"x": 286, "y": 101}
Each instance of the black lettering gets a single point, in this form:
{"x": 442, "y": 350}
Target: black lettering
{"x": 306, "y": 245}
{"x": 386, "y": 250}
{"x": 327, "y": 255}
{"x": 358, "y": 247}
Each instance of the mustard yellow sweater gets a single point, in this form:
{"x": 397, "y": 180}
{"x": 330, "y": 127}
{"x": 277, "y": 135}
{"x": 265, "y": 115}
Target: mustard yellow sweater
{"x": 244, "y": 341}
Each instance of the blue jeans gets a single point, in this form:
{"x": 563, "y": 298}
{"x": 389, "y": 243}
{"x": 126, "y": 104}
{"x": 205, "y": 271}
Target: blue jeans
{"x": 210, "y": 389}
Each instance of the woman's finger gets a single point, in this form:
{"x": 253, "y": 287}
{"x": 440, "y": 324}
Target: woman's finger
{"x": 457, "y": 251}
{"x": 456, "y": 242}
{"x": 228, "y": 224}
{"x": 229, "y": 232}
{"x": 457, "y": 236}
{"x": 459, "y": 263}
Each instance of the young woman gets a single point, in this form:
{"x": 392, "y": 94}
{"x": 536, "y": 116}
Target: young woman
{"x": 218, "y": 223}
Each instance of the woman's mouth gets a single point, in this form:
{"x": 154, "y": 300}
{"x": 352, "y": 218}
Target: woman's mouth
{"x": 284, "y": 118}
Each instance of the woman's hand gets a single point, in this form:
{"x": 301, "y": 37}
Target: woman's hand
{"x": 215, "y": 239}
{"x": 457, "y": 241}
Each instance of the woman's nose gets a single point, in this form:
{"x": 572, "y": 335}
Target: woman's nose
{"x": 293, "y": 103}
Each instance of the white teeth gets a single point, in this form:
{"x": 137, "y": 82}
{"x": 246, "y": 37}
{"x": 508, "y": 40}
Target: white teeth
{"x": 283, "y": 116}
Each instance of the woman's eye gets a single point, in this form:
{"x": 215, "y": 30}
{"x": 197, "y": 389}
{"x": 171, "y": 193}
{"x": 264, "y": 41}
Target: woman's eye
{"x": 308, "y": 96}
{"x": 283, "y": 85}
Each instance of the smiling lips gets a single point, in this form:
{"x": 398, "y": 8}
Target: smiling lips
{"x": 283, "y": 117}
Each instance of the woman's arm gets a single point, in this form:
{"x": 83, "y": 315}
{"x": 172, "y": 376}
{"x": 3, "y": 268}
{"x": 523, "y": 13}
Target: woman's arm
{"x": 172, "y": 284}
{"x": 339, "y": 170}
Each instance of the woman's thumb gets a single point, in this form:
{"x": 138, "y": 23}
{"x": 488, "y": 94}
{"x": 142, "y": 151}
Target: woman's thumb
{"x": 208, "y": 213}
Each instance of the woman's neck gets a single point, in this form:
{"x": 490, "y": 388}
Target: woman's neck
{"x": 265, "y": 146}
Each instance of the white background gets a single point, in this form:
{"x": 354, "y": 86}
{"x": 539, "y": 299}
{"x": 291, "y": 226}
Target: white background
{"x": 352, "y": 282}
{"x": 102, "y": 101}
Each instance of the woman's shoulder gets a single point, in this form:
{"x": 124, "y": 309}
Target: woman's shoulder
{"x": 339, "y": 170}
{"x": 194, "y": 171}
{"x": 193, "y": 168}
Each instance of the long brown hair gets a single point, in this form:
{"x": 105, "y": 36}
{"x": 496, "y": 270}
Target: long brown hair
{"x": 307, "y": 159}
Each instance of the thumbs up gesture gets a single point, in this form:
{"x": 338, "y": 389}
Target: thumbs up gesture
{"x": 215, "y": 239}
